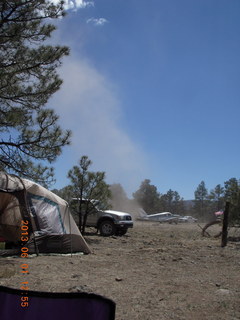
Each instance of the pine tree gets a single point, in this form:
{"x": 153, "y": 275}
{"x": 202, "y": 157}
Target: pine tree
{"x": 201, "y": 203}
{"x": 87, "y": 185}
{"x": 232, "y": 194}
{"x": 30, "y": 134}
{"x": 148, "y": 197}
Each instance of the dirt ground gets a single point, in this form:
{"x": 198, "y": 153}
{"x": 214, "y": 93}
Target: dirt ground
{"x": 156, "y": 271}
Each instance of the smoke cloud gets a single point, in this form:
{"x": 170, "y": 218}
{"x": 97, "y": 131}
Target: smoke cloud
{"x": 88, "y": 104}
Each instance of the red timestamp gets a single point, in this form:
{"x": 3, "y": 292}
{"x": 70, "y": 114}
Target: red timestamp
{"x": 24, "y": 298}
{"x": 24, "y": 266}
{"x": 24, "y": 302}
{"x": 24, "y": 238}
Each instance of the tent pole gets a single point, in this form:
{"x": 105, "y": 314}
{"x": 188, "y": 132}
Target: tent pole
{"x": 69, "y": 227}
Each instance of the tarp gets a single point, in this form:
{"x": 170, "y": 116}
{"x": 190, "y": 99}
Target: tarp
{"x": 219, "y": 213}
{"x": 34, "y": 305}
{"x": 51, "y": 227}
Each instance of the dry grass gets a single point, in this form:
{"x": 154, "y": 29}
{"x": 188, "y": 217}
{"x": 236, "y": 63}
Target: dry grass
{"x": 154, "y": 272}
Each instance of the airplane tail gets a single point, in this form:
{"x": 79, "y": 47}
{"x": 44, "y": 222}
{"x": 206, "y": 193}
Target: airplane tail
{"x": 142, "y": 213}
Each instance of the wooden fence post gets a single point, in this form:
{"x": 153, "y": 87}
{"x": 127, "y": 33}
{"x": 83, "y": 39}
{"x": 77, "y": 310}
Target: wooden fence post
{"x": 225, "y": 225}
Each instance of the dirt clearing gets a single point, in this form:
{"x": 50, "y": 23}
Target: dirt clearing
{"x": 156, "y": 271}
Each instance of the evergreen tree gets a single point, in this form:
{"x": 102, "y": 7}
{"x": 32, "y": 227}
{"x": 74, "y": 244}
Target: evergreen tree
{"x": 166, "y": 201}
{"x": 231, "y": 190}
{"x": 178, "y": 204}
{"x": 216, "y": 197}
{"x": 172, "y": 202}
{"x": 64, "y": 193}
{"x": 232, "y": 194}
{"x": 30, "y": 134}
{"x": 201, "y": 203}
{"x": 148, "y": 197}
{"x": 87, "y": 185}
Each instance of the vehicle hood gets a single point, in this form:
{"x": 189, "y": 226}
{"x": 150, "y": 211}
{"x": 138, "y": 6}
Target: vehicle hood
{"x": 119, "y": 213}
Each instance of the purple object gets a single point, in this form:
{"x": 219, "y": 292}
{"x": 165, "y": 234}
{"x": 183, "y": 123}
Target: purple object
{"x": 53, "y": 305}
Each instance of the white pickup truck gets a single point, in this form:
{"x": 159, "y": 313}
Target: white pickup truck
{"x": 108, "y": 222}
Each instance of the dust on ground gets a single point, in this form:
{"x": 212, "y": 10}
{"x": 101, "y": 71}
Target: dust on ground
{"x": 156, "y": 271}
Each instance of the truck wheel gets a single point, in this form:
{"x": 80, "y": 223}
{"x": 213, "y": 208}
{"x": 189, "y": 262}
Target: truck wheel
{"x": 107, "y": 228}
{"x": 121, "y": 232}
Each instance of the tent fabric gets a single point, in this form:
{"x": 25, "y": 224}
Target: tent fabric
{"x": 53, "y": 305}
{"x": 55, "y": 243}
{"x": 48, "y": 216}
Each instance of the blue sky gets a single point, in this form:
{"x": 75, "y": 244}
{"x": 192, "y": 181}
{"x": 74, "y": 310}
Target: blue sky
{"x": 151, "y": 91}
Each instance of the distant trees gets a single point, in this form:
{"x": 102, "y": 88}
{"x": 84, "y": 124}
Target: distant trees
{"x": 152, "y": 201}
{"x": 91, "y": 185}
{"x": 232, "y": 194}
{"x": 30, "y": 133}
{"x": 172, "y": 202}
{"x": 216, "y": 198}
{"x": 201, "y": 200}
{"x": 64, "y": 193}
{"x": 232, "y": 190}
{"x": 148, "y": 197}
{"x": 205, "y": 204}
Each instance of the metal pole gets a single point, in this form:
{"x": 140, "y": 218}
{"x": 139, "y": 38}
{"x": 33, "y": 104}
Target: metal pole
{"x": 225, "y": 225}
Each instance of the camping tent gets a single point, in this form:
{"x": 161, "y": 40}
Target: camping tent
{"x": 49, "y": 226}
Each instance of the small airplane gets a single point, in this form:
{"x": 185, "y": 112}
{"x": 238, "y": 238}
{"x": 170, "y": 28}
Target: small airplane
{"x": 160, "y": 217}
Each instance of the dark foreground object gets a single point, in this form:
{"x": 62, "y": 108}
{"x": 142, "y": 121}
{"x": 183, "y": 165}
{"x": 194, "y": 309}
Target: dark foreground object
{"x": 29, "y": 305}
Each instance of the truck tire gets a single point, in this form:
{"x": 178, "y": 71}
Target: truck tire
{"x": 121, "y": 232}
{"x": 107, "y": 228}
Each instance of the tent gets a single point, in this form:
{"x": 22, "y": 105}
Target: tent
{"x": 33, "y": 216}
